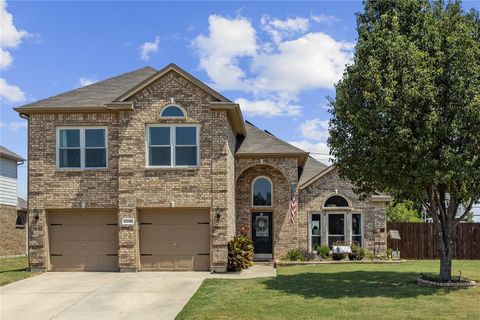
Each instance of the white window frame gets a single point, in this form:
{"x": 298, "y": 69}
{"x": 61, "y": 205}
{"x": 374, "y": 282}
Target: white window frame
{"x": 310, "y": 235}
{"x": 251, "y": 192}
{"x": 172, "y": 144}
{"x": 82, "y": 147}
{"x": 328, "y": 226}
{"x": 361, "y": 227}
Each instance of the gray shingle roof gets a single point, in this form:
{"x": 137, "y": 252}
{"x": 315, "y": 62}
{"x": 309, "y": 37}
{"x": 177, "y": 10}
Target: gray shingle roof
{"x": 260, "y": 142}
{"x": 311, "y": 168}
{"x": 10, "y": 154}
{"x": 96, "y": 94}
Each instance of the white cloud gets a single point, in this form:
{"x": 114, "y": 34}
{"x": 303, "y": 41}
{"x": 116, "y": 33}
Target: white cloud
{"x": 279, "y": 29}
{"x": 274, "y": 72}
{"x": 269, "y": 108}
{"x": 324, "y": 18}
{"x": 14, "y": 125}
{"x": 319, "y": 151}
{"x": 10, "y": 36}
{"x": 148, "y": 48}
{"x": 10, "y": 92}
{"x": 314, "y": 60}
{"x": 86, "y": 81}
{"x": 314, "y": 129}
{"x": 227, "y": 40}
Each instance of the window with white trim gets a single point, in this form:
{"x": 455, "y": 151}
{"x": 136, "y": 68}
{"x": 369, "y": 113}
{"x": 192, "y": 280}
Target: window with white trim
{"x": 336, "y": 228}
{"x": 172, "y": 146}
{"x": 262, "y": 192}
{"x": 315, "y": 231}
{"x": 357, "y": 228}
{"x": 82, "y": 148}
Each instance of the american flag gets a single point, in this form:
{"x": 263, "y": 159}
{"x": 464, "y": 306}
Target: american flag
{"x": 293, "y": 203}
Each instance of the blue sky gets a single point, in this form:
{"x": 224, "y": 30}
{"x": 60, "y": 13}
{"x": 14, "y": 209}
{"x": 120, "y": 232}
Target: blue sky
{"x": 279, "y": 60}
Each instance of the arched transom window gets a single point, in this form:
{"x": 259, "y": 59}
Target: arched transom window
{"x": 172, "y": 111}
{"x": 336, "y": 201}
{"x": 262, "y": 192}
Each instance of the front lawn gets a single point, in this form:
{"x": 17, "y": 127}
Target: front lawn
{"x": 350, "y": 291}
{"x": 14, "y": 269}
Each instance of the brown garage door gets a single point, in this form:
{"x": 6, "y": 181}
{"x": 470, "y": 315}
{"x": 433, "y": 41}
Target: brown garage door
{"x": 174, "y": 240}
{"x": 83, "y": 240}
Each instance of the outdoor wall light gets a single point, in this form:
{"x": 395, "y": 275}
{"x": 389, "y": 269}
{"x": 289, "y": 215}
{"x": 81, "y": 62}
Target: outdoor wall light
{"x": 218, "y": 213}
{"x": 36, "y": 214}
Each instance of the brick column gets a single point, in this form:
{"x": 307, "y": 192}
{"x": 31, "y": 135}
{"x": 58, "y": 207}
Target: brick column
{"x": 219, "y": 227}
{"x": 37, "y": 244}
{"x": 127, "y": 239}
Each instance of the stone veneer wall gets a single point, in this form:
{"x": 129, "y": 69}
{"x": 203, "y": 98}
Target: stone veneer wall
{"x": 12, "y": 241}
{"x": 313, "y": 197}
{"x": 282, "y": 172}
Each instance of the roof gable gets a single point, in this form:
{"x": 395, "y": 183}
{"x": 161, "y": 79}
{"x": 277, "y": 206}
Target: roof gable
{"x": 311, "y": 169}
{"x": 171, "y": 67}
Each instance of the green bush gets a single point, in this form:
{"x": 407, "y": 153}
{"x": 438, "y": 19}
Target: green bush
{"x": 389, "y": 253}
{"x": 240, "y": 253}
{"x": 294, "y": 255}
{"x": 323, "y": 251}
{"x": 369, "y": 254}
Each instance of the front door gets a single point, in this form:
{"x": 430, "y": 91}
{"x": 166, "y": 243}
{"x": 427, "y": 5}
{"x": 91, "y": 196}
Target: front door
{"x": 262, "y": 235}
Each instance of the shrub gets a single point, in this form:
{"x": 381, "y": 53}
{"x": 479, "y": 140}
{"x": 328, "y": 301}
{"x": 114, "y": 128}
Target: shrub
{"x": 389, "y": 253}
{"x": 338, "y": 256}
{"x": 323, "y": 251}
{"x": 369, "y": 254}
{"x": 240, "y": 253}
{"x": 309, "y": 256}
{"x": 294, "y": 255}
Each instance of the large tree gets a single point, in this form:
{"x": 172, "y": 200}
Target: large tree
{"x": 406, "y": 116}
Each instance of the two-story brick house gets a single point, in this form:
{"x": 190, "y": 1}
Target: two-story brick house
{"x": 154, "y": 170}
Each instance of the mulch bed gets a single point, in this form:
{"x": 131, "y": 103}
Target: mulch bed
{"x": 302, "y": 263}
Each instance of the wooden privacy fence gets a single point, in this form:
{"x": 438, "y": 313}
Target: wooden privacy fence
{"x": 418, "y": 240}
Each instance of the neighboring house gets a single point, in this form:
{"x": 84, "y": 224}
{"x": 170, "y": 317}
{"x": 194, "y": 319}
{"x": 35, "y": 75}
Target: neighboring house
{"x": 12, "y": 208}
{"x": 154, "y": 170}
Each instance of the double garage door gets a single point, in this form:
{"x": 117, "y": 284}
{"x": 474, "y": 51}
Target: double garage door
{"x": 88, "y": 240}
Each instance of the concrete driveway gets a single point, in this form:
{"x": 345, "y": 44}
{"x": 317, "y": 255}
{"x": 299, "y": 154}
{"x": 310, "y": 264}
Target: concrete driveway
{"x": 87, "y": 295}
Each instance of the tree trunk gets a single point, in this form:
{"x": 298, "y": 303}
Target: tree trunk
{"x": 444, "y": 239}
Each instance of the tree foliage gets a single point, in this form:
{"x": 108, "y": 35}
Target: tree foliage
{"x": 406, "y": 116}
{"x": 404, "y": 211}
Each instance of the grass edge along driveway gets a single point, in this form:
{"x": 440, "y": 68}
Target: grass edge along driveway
{"x": 14, "y": 269}
{"x": 350, "y": 291}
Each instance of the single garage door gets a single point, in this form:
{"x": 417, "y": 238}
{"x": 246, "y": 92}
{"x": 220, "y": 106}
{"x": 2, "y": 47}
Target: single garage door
{"x": 175, "y": 240}
{"x": 83, "y": 240}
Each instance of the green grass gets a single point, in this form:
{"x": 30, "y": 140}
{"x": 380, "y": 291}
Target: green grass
{"x": 14, "y": 269}
{"x": 350, "y": 291}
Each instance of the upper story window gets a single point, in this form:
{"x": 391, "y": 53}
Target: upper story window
{"x": 262, "y": 192}
{"x": 172, "y": 111}
{"x": 336, "y": 201}
{"x": 81, "y": 148}
{"x": 172, "y": 146}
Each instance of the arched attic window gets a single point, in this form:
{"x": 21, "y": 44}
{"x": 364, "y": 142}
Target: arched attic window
{"x": 336, "y": 201}
{"x": 172, "y": 111}
{"x": 262, "y": 192}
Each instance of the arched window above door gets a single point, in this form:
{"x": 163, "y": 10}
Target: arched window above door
{"x": 262, "y": 192}
{"x": 336, "y": 201}
{"x": 172, "y": 111}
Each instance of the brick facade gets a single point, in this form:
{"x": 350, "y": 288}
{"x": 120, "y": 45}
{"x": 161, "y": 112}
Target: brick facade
{"x": 313, "y": 197}
{"x": 221, "y": 181}
{"x": 12, "y": 240}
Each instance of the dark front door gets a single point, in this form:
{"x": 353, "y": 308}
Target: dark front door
{"x": 262, "y": 234}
